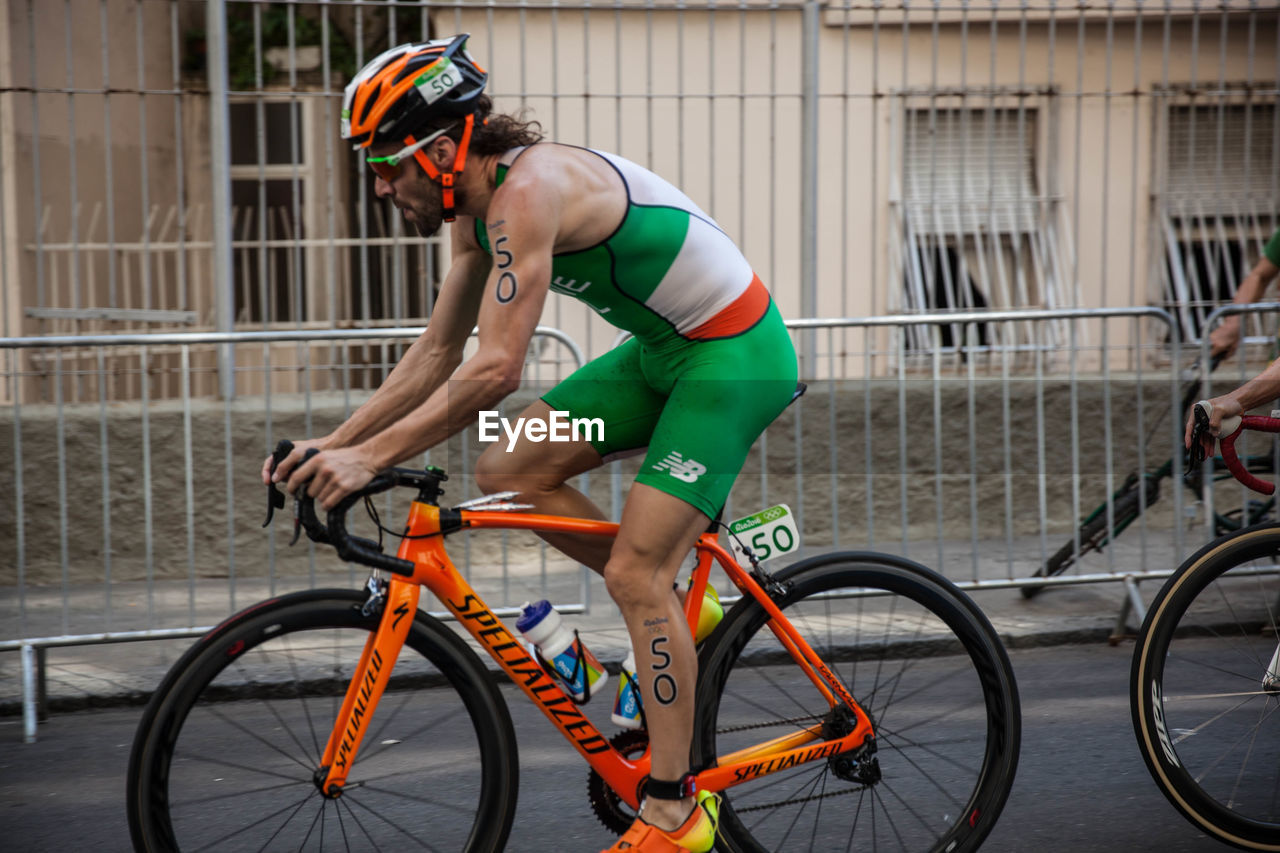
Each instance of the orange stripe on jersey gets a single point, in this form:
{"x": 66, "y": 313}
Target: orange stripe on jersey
{"x": 736, "y": 317}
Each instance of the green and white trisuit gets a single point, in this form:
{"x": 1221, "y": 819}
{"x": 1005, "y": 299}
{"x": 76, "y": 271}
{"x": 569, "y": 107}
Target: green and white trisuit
{"x": 710, "y": 364}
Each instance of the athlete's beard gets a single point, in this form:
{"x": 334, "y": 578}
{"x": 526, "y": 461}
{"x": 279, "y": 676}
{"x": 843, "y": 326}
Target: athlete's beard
{"x": 428, "y": 223}
{"x": 430, "y": 216}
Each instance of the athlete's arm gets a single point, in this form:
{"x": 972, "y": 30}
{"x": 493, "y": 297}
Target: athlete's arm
{"x": 428, "y": 362}
{"x": 436, "y": 354}
{"x": 522, "y": 225}
{"x": 1226, "y": 337}
{"x": 1258, "y": 390}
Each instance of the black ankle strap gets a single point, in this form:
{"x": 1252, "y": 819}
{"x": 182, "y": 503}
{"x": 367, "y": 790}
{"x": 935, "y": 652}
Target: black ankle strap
{"x": 662, "y": 789}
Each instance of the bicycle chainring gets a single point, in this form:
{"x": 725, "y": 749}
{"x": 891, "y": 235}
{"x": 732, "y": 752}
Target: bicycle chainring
{"x": 610, "y": 810}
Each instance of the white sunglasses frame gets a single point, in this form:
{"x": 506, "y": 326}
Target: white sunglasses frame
{"x": 409, "y": 150}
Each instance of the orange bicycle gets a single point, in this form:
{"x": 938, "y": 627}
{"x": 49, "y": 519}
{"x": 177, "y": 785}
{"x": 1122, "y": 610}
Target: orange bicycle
{"x": 848, "y": 701}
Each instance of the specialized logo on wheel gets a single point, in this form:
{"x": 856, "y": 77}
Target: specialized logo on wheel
{"x": 677, "y": 466}
{"x": 1157, "y": 711}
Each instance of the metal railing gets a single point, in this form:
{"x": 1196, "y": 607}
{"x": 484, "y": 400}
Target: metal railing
{"x": 975, "y": 456}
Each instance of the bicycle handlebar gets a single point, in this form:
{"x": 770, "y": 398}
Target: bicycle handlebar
{"x": 355, "y": 549}
{"x": 1227, "y": 444}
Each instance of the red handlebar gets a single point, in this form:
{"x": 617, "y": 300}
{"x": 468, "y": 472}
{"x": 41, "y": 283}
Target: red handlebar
{"x": 1227, "y": 445}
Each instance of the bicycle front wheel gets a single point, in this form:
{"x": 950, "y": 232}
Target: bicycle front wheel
{"x": 1204, "y": 710}
{"x": 225, "y": 755}
{"x": 919, "y": 657}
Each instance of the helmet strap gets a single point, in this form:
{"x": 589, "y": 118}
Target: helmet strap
{"x": 447, "y": 179}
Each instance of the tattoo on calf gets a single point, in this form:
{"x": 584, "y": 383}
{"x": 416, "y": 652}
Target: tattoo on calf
{"x": 656, "y": 626}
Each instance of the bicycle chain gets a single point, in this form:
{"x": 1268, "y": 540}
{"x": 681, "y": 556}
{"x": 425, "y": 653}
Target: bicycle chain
{"x": 771, "y": 806}
{"x": 770, "y": 724}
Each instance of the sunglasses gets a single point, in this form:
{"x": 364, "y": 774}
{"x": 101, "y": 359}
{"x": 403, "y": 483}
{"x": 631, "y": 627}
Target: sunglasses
{"x": 388, "y": 168}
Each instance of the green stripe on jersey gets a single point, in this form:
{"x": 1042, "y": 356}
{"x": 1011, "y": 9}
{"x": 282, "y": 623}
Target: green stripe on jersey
{"x": 647, "y": 245}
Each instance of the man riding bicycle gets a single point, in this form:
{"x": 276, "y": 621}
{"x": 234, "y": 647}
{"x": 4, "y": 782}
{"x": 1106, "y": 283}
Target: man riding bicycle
{"x": 709, "y": 366}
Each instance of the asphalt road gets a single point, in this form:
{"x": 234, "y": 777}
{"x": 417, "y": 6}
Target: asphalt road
{"x": 1081, "y": 784}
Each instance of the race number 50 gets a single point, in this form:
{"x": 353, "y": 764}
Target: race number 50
{"x": 769, "y": 533}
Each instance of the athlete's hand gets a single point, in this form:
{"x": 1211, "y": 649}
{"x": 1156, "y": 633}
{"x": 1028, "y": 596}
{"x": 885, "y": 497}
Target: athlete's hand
{"x": 334, "y": 474}
{"x": 289, "y": 462}
{"x": 1220, "y": 408}
{"x": 1224, "y": 339}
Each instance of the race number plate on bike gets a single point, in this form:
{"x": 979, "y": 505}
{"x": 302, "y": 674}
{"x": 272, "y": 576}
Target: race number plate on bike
{"x": 769, "y": 533}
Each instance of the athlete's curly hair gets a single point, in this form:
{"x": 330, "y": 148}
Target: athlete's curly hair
{"x": 493, "y": 133}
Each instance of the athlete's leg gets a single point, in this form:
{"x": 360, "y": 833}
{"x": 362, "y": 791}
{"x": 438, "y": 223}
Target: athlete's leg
{"x": 658, "y": 530}
{"x": 540, "y": 473}
{"x": 610, "y": 389}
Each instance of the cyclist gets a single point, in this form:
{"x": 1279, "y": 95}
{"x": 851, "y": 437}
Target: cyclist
{"x": 1226, "y": 337}
{"x": 1263, "y": 387}
{"x": 709, "y": 366}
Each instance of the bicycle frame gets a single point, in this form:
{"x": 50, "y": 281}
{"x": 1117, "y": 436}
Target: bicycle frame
{"x": 423, "y": 546}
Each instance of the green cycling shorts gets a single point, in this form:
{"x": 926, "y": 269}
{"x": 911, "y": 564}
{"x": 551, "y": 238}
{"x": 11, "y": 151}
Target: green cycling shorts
{"x": 698, "y": 406}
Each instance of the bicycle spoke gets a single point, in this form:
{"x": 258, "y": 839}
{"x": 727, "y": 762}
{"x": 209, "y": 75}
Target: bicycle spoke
{"x": 249, "y": 732}
{"x": 380, "y": 816}
{"x": 293, "y": 809}
{"x": 420, "y": 800}
{"x": 239, "y": 792}
{"x": 253, "y": 769}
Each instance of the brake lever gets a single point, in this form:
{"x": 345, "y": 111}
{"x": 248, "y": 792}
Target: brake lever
{"x": 1196, "y": 453}
{"x": 275, "y": 497}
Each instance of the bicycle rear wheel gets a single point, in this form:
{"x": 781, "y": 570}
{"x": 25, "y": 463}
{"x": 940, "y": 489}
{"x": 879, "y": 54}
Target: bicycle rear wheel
{"x": 920, "y": 658}
{"x": 226, "y": 751}
{"x": 1207, "y": 727}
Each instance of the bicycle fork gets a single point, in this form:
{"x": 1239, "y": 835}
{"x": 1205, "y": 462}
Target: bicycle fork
{"x": 368, "y": 682}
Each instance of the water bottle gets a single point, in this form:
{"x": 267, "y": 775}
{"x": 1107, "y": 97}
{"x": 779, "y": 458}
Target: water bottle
{"x": 578, "y": 669}
{"x": 626, "y": 707}
{"x": 709, "y": 616}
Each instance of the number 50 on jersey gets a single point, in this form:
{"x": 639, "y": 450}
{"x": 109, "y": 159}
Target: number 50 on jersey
{"x": 768, "y": 533}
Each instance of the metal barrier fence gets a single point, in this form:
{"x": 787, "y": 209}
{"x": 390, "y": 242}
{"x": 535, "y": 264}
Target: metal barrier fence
{"x": 137, "y": 521}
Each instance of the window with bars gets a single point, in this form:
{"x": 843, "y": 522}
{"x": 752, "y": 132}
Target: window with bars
{"x": 1217, "y": 193}
{"x": 308, "y": 247}
{"x": 269, "y": 176}
{"x": 977, "y": 228}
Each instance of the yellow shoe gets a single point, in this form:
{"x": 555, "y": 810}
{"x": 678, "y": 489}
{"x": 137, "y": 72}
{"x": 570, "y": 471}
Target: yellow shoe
{"x": 696, "y": 835}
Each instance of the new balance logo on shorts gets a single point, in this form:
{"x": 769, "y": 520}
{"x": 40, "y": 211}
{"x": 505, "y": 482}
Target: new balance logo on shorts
{"x": 681, "y": 468}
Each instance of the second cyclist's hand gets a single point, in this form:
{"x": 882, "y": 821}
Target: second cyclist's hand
{"x": 334, "y": 474}
{"x": 1220, "y": 408}
{"x": 1224, "y": 339}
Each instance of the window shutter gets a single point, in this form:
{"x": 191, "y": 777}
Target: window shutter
{"x": 970, "y": 170}
{"x": 1213, "y": 167}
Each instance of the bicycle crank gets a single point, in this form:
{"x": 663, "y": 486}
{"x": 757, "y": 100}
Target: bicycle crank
{"x": 611, "y": 811}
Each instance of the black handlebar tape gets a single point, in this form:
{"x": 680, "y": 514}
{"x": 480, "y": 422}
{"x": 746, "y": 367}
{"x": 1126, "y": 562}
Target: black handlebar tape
{"x": 316, "y": 530}
{"x": 355, "y": 548}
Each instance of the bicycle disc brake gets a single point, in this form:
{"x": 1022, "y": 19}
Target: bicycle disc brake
{"x": 610, "y": 810}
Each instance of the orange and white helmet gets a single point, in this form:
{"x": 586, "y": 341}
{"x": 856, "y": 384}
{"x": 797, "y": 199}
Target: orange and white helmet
{"x": 404, "y": 89}
{"x": 412, "y": 87}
